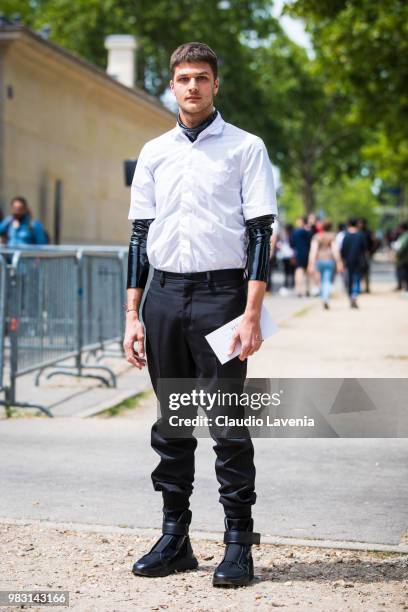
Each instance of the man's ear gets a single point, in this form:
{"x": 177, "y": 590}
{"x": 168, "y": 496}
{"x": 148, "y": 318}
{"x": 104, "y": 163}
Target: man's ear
{"x": 216, "y": 86}
{"x": 172, "y": 86}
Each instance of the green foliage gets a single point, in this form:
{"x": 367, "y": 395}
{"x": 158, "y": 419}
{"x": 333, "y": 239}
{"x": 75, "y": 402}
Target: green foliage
{"x": 387, "y": 159}
{"x": 25, "y": 10}
{"x": 338, "y": 201}
{"x": 315, "y": 138}
{"x": 347, "y": 198}
{"x": 290, "y": 203}
{"x": 363, "y": 47}
{"x": 160, "y": 27}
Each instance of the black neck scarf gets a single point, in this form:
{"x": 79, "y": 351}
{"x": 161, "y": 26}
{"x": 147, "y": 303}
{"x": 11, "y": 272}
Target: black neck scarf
{"x": 193, "y": 132}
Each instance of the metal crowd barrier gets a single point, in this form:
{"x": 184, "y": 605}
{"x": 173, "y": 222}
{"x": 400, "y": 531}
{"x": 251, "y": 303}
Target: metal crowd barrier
{"x": 59, "y": 305}
{"x": 103, "y": 321}
{"x": 3, "y": 280}
{"x": 100, "y": 319}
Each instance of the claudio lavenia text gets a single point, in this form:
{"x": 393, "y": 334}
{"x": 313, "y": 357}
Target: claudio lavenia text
{"x": 248, "y": 421}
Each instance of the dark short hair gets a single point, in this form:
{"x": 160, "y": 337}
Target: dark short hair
{"x": 19, "y": 199}
{"x": 194, "y": 52}
{"x": 327, "y": 225}
{"x": 352, "y": 222}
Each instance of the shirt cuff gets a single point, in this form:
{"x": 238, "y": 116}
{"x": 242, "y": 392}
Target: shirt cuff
{"x": 141, "y": 213}
{"x": 259, "y": 212}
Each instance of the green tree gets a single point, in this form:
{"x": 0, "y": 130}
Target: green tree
{"x": 349, "y": 197}
{"x": 19, "y": 8}
{"x": 363, "y": 46}
{"x": 160, "y": 27}
{"x": 269, "y": 86}
{"x": 317, "y": 140}
{"x": 290, "y": 203}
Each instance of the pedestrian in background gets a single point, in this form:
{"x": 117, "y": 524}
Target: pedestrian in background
{"x": 392, "y": 239}
{"x": 286, "y": 254}
{"x": 353, "y": 252}
{"x": 325, "y": 258}
{"x": 313, "y": 223}
{"x": 401, "y": 249}
{"x": 371, "y": 243}
{"x": 300, "y": 242}
{"x": 341, "y": 232}
{"x": 19, "y": 229}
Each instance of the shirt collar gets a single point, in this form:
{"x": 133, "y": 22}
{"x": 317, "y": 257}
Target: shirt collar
{"x": 216, "y": 127}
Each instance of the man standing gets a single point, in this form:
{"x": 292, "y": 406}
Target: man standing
{"x": 202, "y": 205}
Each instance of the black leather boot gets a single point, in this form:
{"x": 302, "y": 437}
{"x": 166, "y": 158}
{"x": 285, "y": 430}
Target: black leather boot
{"x": 171, "y": 553}
{"x": 237, "y": 566}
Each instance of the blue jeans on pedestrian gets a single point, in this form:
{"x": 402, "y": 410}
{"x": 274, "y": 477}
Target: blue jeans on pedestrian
{"x": 326, "y": 269}
{"x": 354, "y": 278}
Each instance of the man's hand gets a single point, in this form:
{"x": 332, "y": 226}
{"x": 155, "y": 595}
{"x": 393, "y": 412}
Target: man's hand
{"x": 134, "y": 333}
{"x": 249, "y": 334}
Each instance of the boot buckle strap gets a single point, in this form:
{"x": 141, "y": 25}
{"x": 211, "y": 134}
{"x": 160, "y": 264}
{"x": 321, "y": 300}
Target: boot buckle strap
{"x": 171, "y": 528}
{"x": 241, "y": 537}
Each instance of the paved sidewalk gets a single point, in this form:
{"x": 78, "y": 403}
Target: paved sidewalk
{"x": 70, "y": 396}
{"x": 341, "y": 342}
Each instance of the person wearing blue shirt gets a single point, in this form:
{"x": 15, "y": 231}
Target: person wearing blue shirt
{"x": 19, "y": 229}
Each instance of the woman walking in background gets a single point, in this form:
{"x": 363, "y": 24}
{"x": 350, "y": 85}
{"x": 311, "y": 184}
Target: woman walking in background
{"x": 325, "y": 258}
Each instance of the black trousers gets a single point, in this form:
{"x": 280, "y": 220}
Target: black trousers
{"x": 179, "y": 310}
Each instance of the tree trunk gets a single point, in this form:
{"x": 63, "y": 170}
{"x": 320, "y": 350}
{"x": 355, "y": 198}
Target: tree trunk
{"x": 308, "y": 194}
{"x": 140, "y": 67}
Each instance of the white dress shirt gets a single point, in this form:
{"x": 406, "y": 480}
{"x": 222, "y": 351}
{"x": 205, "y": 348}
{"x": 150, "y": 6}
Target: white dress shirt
{"x": 200, "y": 194}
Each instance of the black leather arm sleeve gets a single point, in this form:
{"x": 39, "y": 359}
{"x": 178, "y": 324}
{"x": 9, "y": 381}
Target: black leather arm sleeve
{"x": 138, "y": 264}
{"x": 259, "y": 233}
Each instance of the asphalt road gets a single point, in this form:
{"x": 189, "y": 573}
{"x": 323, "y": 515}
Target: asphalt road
{"x": 98, "y": 471}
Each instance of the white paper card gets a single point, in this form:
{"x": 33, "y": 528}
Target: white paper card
{"x": 220, "y": 339}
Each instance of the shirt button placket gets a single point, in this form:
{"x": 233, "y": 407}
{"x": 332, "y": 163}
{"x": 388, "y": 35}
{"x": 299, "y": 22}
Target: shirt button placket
{"x": 184, "y": 210}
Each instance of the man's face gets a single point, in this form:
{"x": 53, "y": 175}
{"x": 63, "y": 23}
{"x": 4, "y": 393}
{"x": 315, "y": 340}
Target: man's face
{"x": 18, "y": 209}
{"x": 194, "y": 87}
